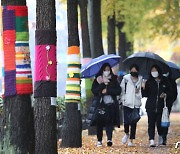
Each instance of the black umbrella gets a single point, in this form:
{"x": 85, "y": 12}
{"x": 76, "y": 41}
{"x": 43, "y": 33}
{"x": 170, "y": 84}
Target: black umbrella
{"x": 175, "y": 70}
{"x": 145, "y": 60}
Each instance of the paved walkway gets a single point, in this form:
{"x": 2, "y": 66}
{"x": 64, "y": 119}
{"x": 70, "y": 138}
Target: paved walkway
{"x": 141, "y": 142}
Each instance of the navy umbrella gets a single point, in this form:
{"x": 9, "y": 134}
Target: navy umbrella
{"x": 175, "y": 70}
{"x": 93, "y": 67}
{"x": 145, "y": 60}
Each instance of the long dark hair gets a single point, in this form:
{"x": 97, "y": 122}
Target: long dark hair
{"x": 103, "y": 68}
{"x": 159, "y": 71}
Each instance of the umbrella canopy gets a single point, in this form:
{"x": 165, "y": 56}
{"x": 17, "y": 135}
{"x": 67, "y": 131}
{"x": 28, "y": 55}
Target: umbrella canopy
{"x": 145, "y": 60}
{"x": 93, "y": 67}
{"x": 175, "y": 70}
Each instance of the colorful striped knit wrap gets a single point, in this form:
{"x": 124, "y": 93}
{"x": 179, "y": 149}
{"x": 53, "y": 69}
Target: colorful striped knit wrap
{"x": 17, "y": 64}
{"x": 73, "y": 89}
{"x": 1, "y": 52}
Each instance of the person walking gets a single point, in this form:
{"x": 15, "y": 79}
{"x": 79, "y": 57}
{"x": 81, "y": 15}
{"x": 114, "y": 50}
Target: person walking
{"x": 131, "y": 98}
{"x": 170, "y": 101}
{"x": 155, "y": 89}
{"x": 105, "y": 89}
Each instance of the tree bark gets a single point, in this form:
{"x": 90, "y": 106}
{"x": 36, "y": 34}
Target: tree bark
{"x": 85, "y": 29}
{"x": 122, "y": 44}
{"x": 45, "y": 114}
{"x": 72, "y": 126}
{"x": 17, "y": 133}
{"x": 45, "y": 126}
{"x": 95, "y": 27}
{"x": 111, "y": 35}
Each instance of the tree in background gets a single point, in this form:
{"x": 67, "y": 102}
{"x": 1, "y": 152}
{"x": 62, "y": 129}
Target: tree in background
{"x": 72, "y": 125}
{"x": 45, "y": 87}
{"x": 85, "y": 30}
{"x": 86, "y": 50}
{"x": 111, "y": 34}
{"x": 149, "y": 19}
{"x": 17, "y": 133}
{"x": 95, "y": 28}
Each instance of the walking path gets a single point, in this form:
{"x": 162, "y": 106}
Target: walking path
{"x": 141, "y": 142}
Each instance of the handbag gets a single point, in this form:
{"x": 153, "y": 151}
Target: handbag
{"x": 134, "y": 116}
{"x": 165, "y": 122}
{"x": 101, "y": 113}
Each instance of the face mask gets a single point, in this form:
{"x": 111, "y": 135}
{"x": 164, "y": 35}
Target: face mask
{"x": 134, "y": 74}
{"x": 155, "y": 74}
{"x": 106, "y": 73}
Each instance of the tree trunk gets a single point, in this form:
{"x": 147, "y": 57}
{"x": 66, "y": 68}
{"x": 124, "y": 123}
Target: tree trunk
{"x": 122, "y": 44}
{"x": 111, "y": 35}
{"x": 72, "y": 126}
{"x": 85, "y": 29}
{"x": 44, "y": 112}
{"x": 17, "y": 133}
{"x": 45, "y": 126}
{"x": 95, "y": 27}
{"x": 86, "y": 49}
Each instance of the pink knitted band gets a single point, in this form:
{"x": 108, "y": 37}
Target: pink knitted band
{"x": 45, "y": 63}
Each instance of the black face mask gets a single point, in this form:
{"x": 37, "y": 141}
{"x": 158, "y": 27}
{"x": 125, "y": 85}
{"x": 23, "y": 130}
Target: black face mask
{"x": 134, "y": 74}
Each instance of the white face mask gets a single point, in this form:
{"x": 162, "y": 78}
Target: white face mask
{"x": 106, "y": 73}
{"x": 155, "y": 74}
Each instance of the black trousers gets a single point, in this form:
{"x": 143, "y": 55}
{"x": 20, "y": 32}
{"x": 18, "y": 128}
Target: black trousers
{"x": 154, "y": 119}
{"x": 127, "y": 111}
{"x": 108, "y": 125}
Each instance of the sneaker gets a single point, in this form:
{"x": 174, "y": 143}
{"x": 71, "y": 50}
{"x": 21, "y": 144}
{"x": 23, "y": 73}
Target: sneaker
{"x": 125, "y": 138}
{"x": 160, "y": 141}
{"x": 131, "y": 144}
{"x": 109, "y": 143}
{"x": 99, "y": 143}
{"x": 152, "y": 144}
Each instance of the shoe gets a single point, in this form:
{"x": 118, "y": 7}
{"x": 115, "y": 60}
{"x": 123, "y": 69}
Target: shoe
{"x": 152, "y": 144}
{"x": 125, "y": 138}
{"x": 160, "y": 141}
{"x": 109, "y": 143}
{"x": 99, "y": 143}
{"x": 130, "y": 144}
{"x": 164, "y": 142}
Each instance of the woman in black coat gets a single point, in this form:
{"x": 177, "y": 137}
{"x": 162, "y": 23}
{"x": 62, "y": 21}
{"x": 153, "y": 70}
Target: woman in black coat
{"x": 105, "y": 89}
{"x": 155, "y": 89}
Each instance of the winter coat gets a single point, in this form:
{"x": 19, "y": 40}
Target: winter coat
{"x": 153, "y": 91}
{"x": 174, "y": 93}
{"x": 128, "y": 96}
{"x": 113, "y": 89}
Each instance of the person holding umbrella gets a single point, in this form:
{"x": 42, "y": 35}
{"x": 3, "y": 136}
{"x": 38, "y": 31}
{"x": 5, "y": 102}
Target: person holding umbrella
{"x": 131, "y": 98}
{"x": 155, "y": 89}
{"x": 106, "y": 87}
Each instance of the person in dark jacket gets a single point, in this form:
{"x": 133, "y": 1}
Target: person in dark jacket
{"x": 155, "y": 89}
{"x": 105, "y": 89}
{"x": 170, "y": 101}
